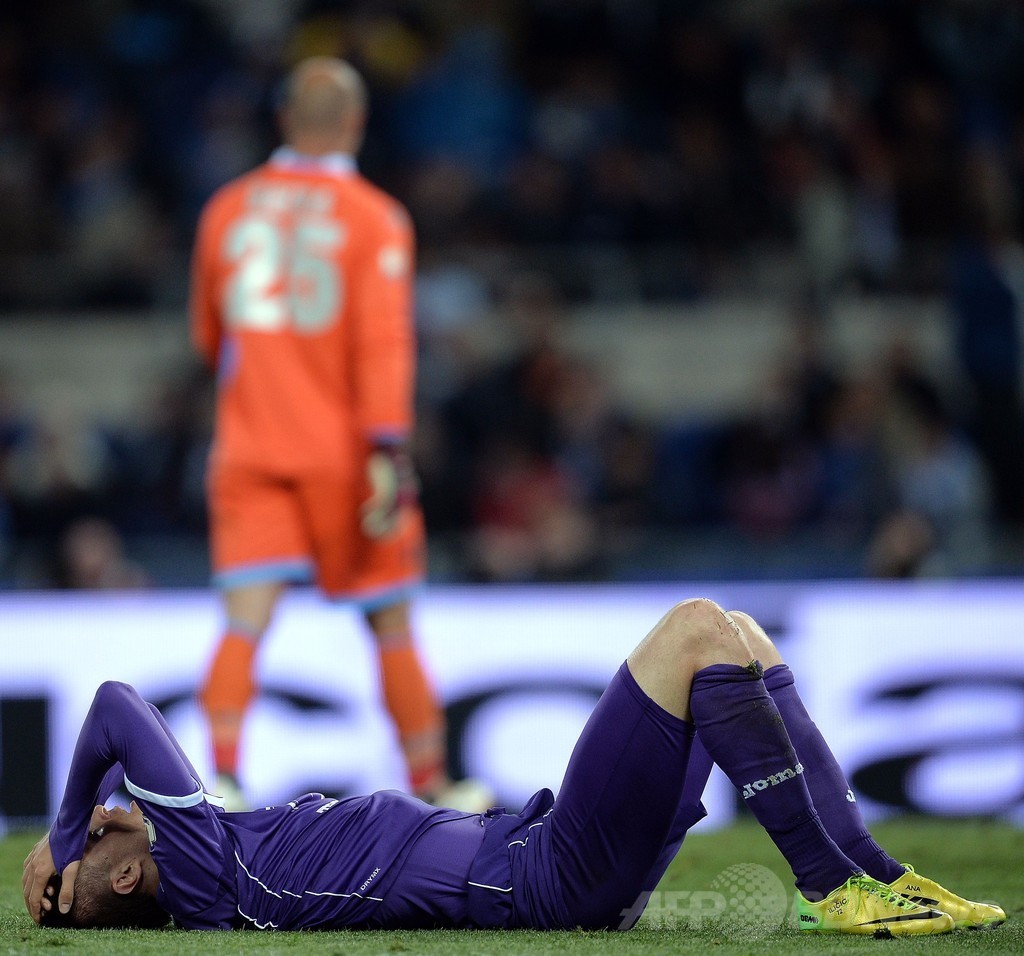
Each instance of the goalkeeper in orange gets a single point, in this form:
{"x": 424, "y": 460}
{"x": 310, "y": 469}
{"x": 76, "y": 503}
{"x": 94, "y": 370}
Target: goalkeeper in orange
{"x": 302, "y": 303}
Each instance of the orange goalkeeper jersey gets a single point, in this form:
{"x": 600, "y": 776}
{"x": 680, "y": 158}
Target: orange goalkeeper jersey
{"x": 302, "y": 300}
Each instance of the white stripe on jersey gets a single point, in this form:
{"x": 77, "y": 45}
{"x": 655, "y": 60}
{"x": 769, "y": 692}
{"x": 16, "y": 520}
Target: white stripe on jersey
{"x": 266, "y": 889}
{"x": 163, "y": 800}
{"x": 539, "y": 823}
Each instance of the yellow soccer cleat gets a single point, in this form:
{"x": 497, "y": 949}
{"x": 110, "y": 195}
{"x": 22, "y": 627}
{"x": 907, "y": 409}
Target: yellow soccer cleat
{"x": 966, "y": 914}
{"x": 869, "y": 908}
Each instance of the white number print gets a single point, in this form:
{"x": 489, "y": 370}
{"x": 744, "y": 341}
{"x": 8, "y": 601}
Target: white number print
{"x": 283, "y": 278}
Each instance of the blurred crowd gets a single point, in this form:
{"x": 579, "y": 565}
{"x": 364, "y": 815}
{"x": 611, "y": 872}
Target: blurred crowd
{"x": 861, "y": 471}
{"x": 554, "y": 152}
{"x": 531, "y": 470}
{"x": 841, "y": 129}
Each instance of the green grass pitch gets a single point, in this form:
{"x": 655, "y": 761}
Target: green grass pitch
{"x": 979, "y": 859}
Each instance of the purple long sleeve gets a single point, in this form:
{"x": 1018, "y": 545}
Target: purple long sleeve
{"x": 121, "y": 737}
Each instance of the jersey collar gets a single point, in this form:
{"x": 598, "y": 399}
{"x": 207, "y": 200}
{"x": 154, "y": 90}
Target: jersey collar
{"x": 337, "y": 164}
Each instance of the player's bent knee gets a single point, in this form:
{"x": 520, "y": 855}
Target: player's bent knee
{"x": 696, "y": 608}
{"x": 759, "y": 642}
{"x": 694, "y": 616}
{"x": 700, "y": 624}
{"x": 696, "y": 630}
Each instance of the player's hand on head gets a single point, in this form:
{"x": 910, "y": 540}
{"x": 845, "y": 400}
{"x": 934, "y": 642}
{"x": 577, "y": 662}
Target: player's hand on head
{"x": 43, "y": 888}
{"x": 35, "y": 875}
{"x": 392, "y": 486}
{"x": 66, "y": 896}
{"x": 56, "y": 904}
{"x": 48, "y": 907}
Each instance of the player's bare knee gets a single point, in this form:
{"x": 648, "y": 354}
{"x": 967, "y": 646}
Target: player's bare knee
{"x": 695, "y": 613}
{"x": 759, "y": 643}
{"x": 699, "y": 627}
{"x": 695, "y": 633}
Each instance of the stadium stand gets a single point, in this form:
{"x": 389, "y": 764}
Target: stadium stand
{"x": 706, "y": 289}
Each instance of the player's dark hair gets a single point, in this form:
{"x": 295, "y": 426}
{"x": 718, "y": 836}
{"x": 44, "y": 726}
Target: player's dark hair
{"x": 97, "y": 906}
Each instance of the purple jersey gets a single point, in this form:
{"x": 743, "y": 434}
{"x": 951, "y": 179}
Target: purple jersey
{"x": 389, "y": 860}
{"x": 317, "y": 863}
{"x": 312, "y": 863}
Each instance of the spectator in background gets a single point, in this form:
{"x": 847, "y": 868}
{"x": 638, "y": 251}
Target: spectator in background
{"x": 511, "y": 399}
{"x": 858, "y": 484}
{"x": 58, "y": 469}
{"x": 117, "y": 239}
{"x": 92, "y": 557}
{"x": 465, "y": 106}
{"x": 986, "y": 297}
{"x": 536, "y": 202}
{"x": 161, "y": 456}
{"x": 940, "y": 520}
{"x": 770, "y": 470}
{"x": 529, "y": 519}
{"x": 12, "y": 427}
{"x": 558, "y": 473}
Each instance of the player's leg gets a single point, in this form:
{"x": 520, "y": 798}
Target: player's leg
{"x": 624, "y": 784}
{"x": 409, "y": 697}
{"x": 633, "y": 782}
{"x": 379, "y": 575}
{"x": 229, "y": 686}
{"x": 257, "y": 547}
{"x": 689, "y": 811}
{"x": 834, "y": 798}
{"x": 412, "y": 702}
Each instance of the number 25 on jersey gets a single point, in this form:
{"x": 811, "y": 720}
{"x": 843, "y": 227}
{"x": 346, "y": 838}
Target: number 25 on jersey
{"x": 284, "y": 278}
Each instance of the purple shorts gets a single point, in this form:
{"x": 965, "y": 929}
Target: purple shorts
{"x": 592, "y": 857}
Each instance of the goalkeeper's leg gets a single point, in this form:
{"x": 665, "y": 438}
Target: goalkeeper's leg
{"x": 410, "y": 699}
{"x": 229, "y": 687}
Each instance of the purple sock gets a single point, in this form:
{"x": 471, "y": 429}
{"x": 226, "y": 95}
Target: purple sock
{"x": 828, "y": 786}
{"x": 740, "y": 726}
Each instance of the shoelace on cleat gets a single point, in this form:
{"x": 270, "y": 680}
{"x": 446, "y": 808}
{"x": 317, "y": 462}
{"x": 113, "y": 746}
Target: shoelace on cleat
{"x": 881, "y": 890}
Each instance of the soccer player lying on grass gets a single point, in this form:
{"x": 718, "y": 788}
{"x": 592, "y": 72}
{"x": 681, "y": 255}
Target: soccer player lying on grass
{"x": 587, "y": 859}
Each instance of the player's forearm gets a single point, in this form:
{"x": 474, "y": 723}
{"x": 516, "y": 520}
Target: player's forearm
{"x": 120, "y": 731}
{"x": 384, "y": 391}
{"x": 94, "y": 767}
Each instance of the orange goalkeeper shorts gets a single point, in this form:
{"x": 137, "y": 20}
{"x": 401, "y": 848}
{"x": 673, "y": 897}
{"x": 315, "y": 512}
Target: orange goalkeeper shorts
{"x": 293, "y": 529}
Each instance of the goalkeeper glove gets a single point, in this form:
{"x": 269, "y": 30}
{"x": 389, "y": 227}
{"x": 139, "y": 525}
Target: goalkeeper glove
{"x": 392, "y": 483}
